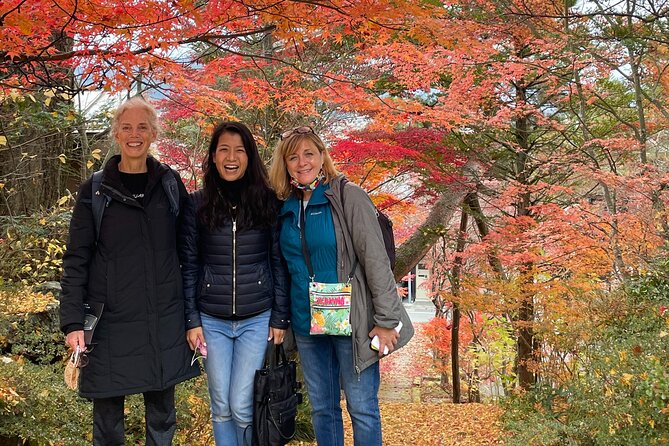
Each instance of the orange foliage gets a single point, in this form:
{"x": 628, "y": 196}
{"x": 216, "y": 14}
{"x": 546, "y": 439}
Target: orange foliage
{"x": 438, "y": 332}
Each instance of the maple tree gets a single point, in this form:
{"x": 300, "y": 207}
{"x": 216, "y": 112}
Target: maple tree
{"x": 505, "y": 111}
{"x": 519, "y": 146}
{"x": 210, "y": 60}
{"x": 529, "y": 246}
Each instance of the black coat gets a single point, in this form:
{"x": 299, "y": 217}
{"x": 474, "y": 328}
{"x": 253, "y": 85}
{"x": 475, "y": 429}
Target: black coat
{"x": 139, "y": 343}
{"x": 207, "y": 258}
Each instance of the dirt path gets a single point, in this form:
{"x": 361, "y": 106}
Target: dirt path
{"x": 404, "y": 373}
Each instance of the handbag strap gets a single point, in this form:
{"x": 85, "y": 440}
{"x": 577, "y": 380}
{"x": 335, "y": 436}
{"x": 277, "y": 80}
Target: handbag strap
{"x": 274, "y": 356}
{"x": 305, "y": 248}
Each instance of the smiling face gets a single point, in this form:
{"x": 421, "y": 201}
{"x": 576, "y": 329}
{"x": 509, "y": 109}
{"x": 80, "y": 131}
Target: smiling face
{"x": 305, "y": 163}
{"x": 230, "y": 157}
{"x": 134, "y": 134}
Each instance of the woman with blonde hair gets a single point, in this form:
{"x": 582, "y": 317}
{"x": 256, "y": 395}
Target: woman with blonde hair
{"x": 331, "y": 235}
{"x": 130, "y": 266}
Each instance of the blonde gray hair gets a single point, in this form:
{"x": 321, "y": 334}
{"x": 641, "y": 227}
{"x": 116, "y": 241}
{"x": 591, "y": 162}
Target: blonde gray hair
{"x": 135, "y": 102}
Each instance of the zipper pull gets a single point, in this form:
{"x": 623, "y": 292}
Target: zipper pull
{"x": 234, "y": 225}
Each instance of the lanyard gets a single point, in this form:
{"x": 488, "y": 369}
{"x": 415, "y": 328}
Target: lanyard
{"x": 305, "y": 249}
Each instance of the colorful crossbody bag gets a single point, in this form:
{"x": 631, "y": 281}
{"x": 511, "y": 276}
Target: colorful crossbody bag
{"x": 329, "y": 303}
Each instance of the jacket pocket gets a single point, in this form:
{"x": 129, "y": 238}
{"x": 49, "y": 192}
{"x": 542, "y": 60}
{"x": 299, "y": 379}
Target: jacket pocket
{"x": 264, "y": 280}
{"x": 205, "y": 283}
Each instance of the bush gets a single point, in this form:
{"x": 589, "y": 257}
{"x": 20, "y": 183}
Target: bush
{"x": 35, "y": 405}
{"x": 304, "y": 429}
{"x": 29, "y": 326}
{"x": 31, "y": 248}
{"x": 620, "y": 393}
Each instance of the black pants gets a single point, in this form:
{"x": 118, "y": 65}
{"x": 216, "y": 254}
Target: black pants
{"x": 159, "y": 413}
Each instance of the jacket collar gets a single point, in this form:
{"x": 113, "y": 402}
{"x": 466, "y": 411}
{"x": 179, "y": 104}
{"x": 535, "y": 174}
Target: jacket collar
{"x": 292, "y": 203}
{"x": 112, "y": 176}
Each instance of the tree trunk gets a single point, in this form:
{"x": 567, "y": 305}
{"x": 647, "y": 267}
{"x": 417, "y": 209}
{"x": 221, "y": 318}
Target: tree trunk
{"x": 416, "y": 247}
{"x": 525, "y": 343}
{"x": 474, "y": 208}
{"x": 525, "y": 313}
{"x": 456, "y": 273}
{"x": 475, "y": 386}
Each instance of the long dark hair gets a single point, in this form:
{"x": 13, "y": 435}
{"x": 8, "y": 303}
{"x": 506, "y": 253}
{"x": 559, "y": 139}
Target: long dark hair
{"x": 257, "y": 206}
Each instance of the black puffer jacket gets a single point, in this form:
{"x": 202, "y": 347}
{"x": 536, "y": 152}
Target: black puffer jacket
{"x": 140, "y": 342}
{"x": 231, "y": 274}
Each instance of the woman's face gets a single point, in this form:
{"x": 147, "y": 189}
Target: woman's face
{"x": 134, "y": 134}
{"x": 230, "y": 157}
{"x": 305, "y": 164}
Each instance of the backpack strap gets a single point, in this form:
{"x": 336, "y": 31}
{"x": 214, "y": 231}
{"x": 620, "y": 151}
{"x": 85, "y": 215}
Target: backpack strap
{"x": 99, "y": 201}
{"x": 171, "y": 190}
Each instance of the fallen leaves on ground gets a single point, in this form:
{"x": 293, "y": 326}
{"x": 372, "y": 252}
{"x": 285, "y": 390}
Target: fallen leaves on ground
{"x": 437, "y": 424}
{"x": 421, "y": 415}
{"x": 442, "y": 424}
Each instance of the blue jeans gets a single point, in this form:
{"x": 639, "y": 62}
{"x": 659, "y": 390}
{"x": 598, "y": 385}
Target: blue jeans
{"x": 327, "y": 361}
{"x": 235, "y": 350}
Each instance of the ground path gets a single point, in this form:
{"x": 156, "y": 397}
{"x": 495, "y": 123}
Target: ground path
{"x": 415, "y": 411}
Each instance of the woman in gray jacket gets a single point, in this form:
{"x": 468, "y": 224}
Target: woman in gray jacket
{"x": 341, "y": 240}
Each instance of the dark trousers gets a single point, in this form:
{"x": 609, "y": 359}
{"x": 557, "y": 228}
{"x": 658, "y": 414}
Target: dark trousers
{"x": 159, "y": 413}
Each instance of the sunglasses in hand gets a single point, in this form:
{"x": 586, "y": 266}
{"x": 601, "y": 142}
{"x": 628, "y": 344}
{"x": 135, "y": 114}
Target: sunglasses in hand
{"x": 79, "y": 358}
{"x": 200, "y": 352}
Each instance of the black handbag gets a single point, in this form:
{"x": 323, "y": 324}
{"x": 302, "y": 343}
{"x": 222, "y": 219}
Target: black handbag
{"x": 275, "y": 399}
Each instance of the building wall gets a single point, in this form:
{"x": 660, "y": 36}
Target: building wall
{"x": 422, "y": 275}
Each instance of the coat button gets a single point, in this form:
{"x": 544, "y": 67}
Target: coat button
{"x": 208, "y": 285}
{"x": 260, "y": 282}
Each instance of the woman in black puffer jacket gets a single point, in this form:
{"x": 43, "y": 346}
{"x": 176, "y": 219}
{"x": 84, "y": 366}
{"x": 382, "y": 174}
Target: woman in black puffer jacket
{"x": 132, "y": 267}
{"x": 234, "y": 277}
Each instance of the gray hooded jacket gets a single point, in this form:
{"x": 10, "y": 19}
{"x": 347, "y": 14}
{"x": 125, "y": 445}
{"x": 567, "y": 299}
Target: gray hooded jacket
{"x": 374, "y": 296}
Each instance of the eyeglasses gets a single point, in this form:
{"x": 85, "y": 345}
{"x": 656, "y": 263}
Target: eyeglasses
{"x": 200, "y": 352}
{"x": 79, "y": 359}
{"x": 297, "y": 131}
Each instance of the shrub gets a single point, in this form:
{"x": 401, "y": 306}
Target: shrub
{"x": 620, "y": 393}
{"x": 29, "y": 326}
{"x": 486, "y": 349}
{"x": 31, "y": 248}
{"x": 35, "y": 405}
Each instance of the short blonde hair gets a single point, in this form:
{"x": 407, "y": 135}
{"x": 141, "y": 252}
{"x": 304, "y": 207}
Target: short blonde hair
{"x": 278, "y": 171}
{"x": 135, "y": 102}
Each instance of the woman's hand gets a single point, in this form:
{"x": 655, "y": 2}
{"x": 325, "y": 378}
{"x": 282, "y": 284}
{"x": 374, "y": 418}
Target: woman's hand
{"x": 74, "y": 339}
{"x": 277, "y": 334}
{"x": 193, "y": 335}
{"x": 387, "y": 338}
